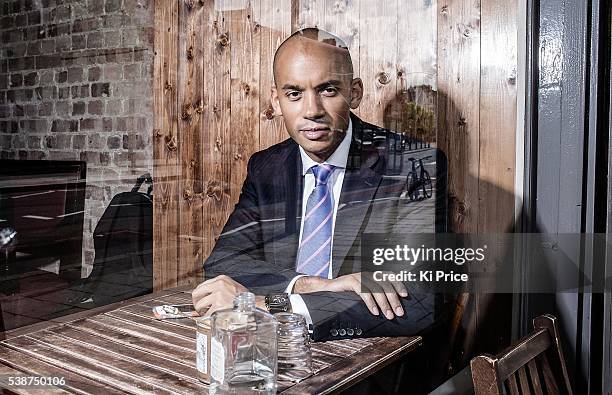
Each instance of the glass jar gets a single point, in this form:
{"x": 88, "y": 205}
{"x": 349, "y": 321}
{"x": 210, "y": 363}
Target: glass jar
{"x": 294, "y": 355}
{"x": 243, "y": 349}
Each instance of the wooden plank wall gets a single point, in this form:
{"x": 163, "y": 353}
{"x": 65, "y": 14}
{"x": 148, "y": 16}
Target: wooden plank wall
{"x": 213, "y": 72}
{"x": 166, "y": 170}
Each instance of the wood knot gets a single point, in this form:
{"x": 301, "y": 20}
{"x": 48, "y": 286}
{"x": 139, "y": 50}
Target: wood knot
{"x": 256, "y": 27}
{"x": 246, "y": 88}
{"x": 190, "y": 53}
{"x": 200, "y": 107}
{"x": 383, "y": 78}
{"x": 187, "y": 112}
{"x": 444, "y": 9}
{"x": 171, "y": 143}
{"x": 223, "y": 40}
{"x": 192, "y": 163}
{"x": 168, "y": 86}
{"x": 269, "y": 113}
{"x": 218, "y": 144}
{"x": 188, "y": 194}
{"x": 189, "y": 3}
{"x": 461, "y": 208}
{"x": 214, "y": 190}
{"x": 157, "y": 133}
{"x": 400, "y": 74}
{"x": 462, "y": 121}
{"x": 237, "y": 156}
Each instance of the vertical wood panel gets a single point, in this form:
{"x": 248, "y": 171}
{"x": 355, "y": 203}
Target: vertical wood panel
{"x": 244, "y": 49}
{"x": 378, "y": 58}
{"x": 191, "y": 105}
{"x": 275, "y": 21}
{"x": 416, "y": 69}
{"x": 311, "y": 14}
{"x": 216, "y": 132}
{"x": 458, "y": 106}
{"x": 497, "y": 116}
{"x": 498, "y": 68}
{"x": 166, "y": 160}
{"x": 458, "y": 123}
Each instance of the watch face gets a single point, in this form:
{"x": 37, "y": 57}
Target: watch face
{"x": 277, "y": 302}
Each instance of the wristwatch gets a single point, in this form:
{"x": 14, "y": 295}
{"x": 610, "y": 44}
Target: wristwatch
{"x": 277, "y": 303}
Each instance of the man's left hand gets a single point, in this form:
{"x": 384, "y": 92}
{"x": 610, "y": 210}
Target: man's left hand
{"x": 216, "y": 294}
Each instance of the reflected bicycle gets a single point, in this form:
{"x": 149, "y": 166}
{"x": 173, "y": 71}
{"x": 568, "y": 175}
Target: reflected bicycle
{"x": 418, "y": 181}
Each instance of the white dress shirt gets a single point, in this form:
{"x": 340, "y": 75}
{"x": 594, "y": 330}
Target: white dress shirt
{"x": 338, "y": 159}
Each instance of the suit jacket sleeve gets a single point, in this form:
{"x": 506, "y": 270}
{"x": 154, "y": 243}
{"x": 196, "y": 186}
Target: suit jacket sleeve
{"x": 334, "y": 313}
{"x": 239, "y": 251}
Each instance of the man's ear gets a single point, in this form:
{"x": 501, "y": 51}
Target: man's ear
{"x": 356, "y": 93}
{"x": 274, "y": 101}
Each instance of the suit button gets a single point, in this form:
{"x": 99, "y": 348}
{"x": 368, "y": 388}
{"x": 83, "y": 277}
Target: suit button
{"x": 342, "y": 332}
{"x": 358, "y": 331}
{"x": 350, "y": 331}
{"x": 333, "y": 332}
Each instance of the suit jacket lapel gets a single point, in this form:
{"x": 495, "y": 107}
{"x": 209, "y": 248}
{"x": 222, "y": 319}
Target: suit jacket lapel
{"x": 288, "y": 192}
{"x": 361, "y": 180}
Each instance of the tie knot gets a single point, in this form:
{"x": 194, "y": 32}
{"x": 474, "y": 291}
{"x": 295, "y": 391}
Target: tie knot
{"x": 322, "y": 173}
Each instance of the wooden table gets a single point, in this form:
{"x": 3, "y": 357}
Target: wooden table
{"x": 121, "y": 348}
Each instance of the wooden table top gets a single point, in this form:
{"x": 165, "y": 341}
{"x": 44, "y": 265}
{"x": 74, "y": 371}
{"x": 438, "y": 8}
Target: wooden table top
{"x": 123, "y": 349}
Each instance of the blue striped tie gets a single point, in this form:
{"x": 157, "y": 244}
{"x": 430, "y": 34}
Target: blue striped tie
{"x": 314, "y": 254}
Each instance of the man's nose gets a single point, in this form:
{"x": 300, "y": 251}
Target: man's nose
{"x": 314, "y": 108}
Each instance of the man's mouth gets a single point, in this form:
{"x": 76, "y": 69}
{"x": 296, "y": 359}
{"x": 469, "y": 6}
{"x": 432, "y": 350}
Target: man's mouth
{"x": 316, "y": 132}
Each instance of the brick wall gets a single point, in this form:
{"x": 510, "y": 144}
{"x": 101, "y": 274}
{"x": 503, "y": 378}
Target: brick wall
{"x": 76, "y": 84}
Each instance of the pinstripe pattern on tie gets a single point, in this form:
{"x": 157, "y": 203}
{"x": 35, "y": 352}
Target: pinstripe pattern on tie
{"x": 314, "y": 254}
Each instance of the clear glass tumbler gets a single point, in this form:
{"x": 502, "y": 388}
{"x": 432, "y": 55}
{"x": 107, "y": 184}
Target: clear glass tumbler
{"x": 294, "y": 355}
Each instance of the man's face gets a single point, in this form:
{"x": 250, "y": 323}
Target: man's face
{"x": 314, "y": 93}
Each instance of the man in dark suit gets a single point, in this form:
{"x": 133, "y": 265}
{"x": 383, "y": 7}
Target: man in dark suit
{"x": 306, "y": 201}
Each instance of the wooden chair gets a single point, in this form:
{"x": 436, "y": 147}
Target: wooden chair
{"x": 535, "y": 365}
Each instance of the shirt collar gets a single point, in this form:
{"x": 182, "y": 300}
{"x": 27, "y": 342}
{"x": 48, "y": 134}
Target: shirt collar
{"x": 337, "y": 159}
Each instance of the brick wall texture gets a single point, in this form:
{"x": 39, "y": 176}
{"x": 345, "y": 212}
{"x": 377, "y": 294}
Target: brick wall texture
{"x": 76, "y": 84}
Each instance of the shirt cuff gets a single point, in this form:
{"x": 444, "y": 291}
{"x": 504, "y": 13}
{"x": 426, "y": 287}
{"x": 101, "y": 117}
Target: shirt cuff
{"x": 289, "y": 289}
{"x": 299, "y": 307}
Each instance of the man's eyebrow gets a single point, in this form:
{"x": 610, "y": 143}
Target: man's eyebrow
{"x": 335, "y": 83}
{"x": 292, "y": 87}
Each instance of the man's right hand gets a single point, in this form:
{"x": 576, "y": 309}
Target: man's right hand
{"x": 383, "y": 295}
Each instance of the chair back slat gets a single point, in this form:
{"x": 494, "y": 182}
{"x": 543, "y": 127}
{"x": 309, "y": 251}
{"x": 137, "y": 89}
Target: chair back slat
{"x": 549, "y": 377}
{"x": 523, "y": 381}
{"x": 535, "y": 377}
{"x": 512, "y": 386}
{"x": 526, "y": 367}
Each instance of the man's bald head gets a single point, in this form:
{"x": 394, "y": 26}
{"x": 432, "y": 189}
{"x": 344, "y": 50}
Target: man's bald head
{"x": 318, "y": 43}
